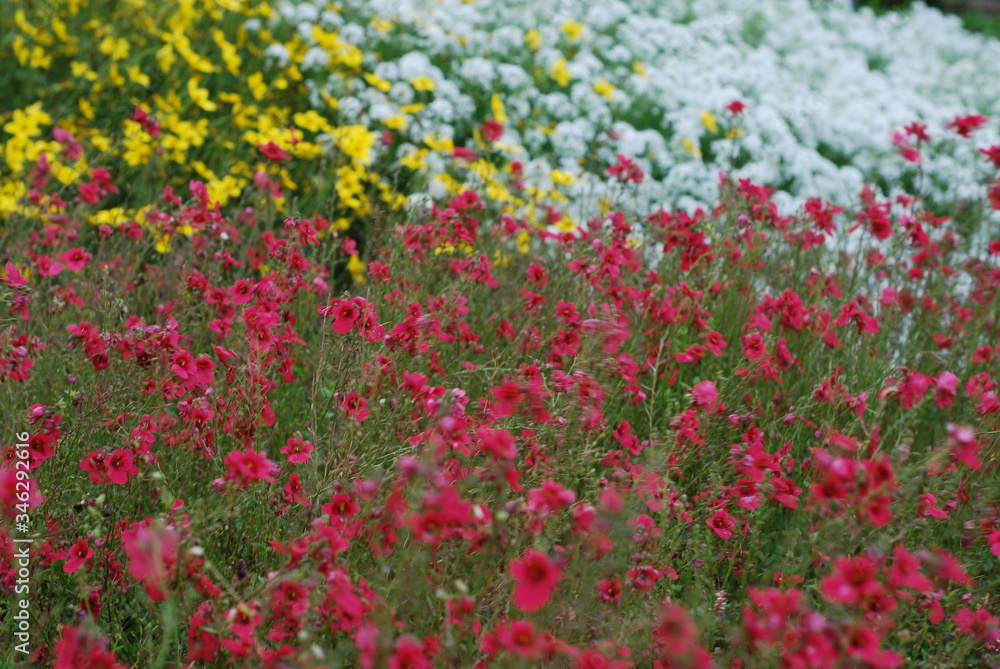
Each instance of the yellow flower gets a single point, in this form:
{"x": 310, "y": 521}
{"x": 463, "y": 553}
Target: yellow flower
{"x": 165, "y": 57}
{"x": 604, "y": 89}
{"x": 691, "y": 147}
{"x": 734, "y": 133}
{"x": 11, "y": 193}
{"x": 15, "y": 153}
{"x": 257, "y": 86}
{"x": 113, "y": 217}
{"x": 100, "y": 142}
{"x": 225, "y": 189}
{"x": 561, "y": 178}
{"x": 27, "y": 123}
{"x": 82, "y": 70}
{"x": 439, "y": 143}
{"x": 349, "y": 187}
{"x": 199, "y": 96}
{"x": 499, "y": 113}
{"x": 22, "y": 52}
{"x": 229, "y": 55}
{"x": 523, "y": 242}
{"x": 572, "y": 30}
{"x": 311, "y": 121}
{"x": 357, "y": 268}
{"x": 202, "y": 170}
{"x": 66, "y": 173}
{"x": 340, "y": 52}
{"x": 639, "y": 69}
{"x": 604, "y": 204}
{"x": 560, "y": 73}
{"x": 566, "y": 224}
{"x": 533, "y": 39}
{"x": 163, "y": 244}
{"x": 136, "y": 75}
{"x": 422, "y": 83}
{"x": 708, "y": 120}
{"x": 356, "y": 141}
{"x": 86, "y": 109}
{"x": 415, "y": 160}
{"x": 39, "y": 58}
{"x": 116, "y": 48}
{"x": 397, "y": 122}
{"x": 377, "y": 82}
{"x": 382, "y": 25}
{"x": 413, "y": 108}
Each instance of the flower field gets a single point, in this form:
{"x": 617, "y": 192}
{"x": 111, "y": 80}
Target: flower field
{"x": 498, "y": 334}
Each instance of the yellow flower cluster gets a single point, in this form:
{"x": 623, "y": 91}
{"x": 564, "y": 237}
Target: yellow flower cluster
{"x": 163, "y": 94}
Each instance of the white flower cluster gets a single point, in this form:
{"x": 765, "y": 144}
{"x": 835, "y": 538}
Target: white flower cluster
{"x": 583, "y": 80}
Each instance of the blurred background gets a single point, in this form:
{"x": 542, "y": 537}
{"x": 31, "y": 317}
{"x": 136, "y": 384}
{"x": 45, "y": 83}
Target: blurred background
{"x": 981, "y": 16}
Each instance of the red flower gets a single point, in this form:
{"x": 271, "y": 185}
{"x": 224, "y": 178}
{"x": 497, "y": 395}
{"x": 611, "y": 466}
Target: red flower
{"x": 964, "y": 445}
{"x": 297, "y": 449}
{"x": 120, "y": 466}
{"x": 409, "y": 655}
{"x": 706, "y": 396}
{"x": 715, "y": 342}
{"x": 993, "y": 153}
{"x": 609, "y": 590}
{"x": 736, "y": 107}
{"x": 242, "y": 291}
{"x": 78, "y": 555}
{"x": 492, "y": 130}
{"x": 273, "y": 152}
{"x": 852, "y": 580}
{"x": 536, "y": 577}
{"x": 248, "y": 466}
{"x": 964, "y": 125}
{"x": 592, "y": 658}
{"x": 905, "y": 572}
{"x": 357, "y": 407}
{"x": 722, "y": 523}
{"x": 75, "y": 259}
{"x": 507, "y": 398}
{"x": 78, "y": 648}
{"x": 152, "y": 555}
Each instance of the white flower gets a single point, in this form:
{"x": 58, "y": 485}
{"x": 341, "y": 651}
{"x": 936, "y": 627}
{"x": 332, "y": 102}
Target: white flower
{"x": 442, "y": 110}
{"x": 315, "y": 59}
{"x": 350, "y": 107}
{"x": 279, "y": 53}
{"x": 353, "y": 34}
{"x": 478, "y": 71}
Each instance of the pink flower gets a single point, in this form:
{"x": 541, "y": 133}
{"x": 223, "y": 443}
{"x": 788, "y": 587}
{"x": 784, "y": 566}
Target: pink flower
{"x": 242, "y": 291}
{"x": 345, "y": 313}
{"x": 964, "y": 125}
{"x": 47, "y": 266}
{"x": 706, "y": 396}
{"x": 297, "y": 449}
{"x": 722, "y": 523}
{"x": 120, "y": 466}
{"x": 75, "y": 259}
{"x": 248, "y": 466}
{"x": 78, "y": 555}
{"x": 152, "y": 555}
{"x": 357, "y": 407}
{"x": 536, "y": 577}
{"x": 492, "y": 130}
{"x": 507, "y": 398}
{"x": 853, "y": 579}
